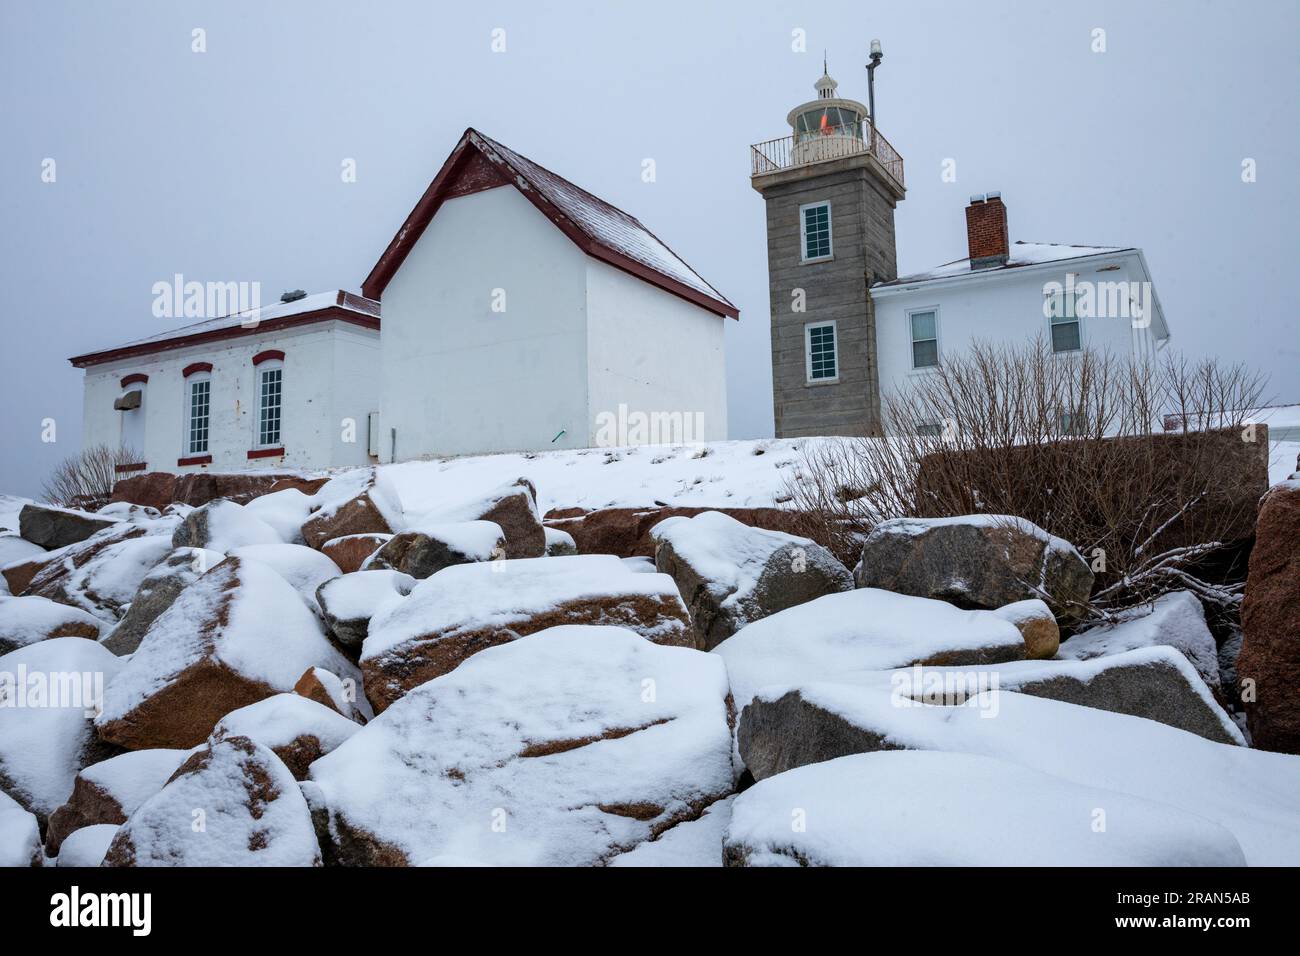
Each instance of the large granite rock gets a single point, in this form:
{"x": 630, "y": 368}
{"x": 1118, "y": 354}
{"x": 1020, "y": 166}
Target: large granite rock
{"x": 467, "y": 608}
{"x": 359, "y": 514}
{"x": 233, "y": 803}
{"x": 349, "y": 601}
{"x": 976, "y": 561}
{"x": 26, "y": 620}
{"x": 52, "y": 527}
{"x": 223, "y": 525}
{"x": 352, "y": 551}
{"x": 565, "y": 747}
{"x": 1268, "y": 667}
{"x": 731, "y": 575}
{"x": 424, "y": 553}
{"x": 20, "y": 835}
{"x": 296, "y": 729}
{"x": 101, "y": 574}
{"x": 160, "y": 587}
{"x": 238, "y": 634}
{"x": 158, "y": 489}
{"x": 948, "y": 809}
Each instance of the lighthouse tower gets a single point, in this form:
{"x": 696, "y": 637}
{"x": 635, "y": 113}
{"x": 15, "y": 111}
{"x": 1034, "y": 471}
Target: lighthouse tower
{"x": 831, "y": 187}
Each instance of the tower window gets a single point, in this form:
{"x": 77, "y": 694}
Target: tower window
{"x": 925, "y": 338}
{"x": 822, "y": 358}
{"x": 815, "y": 228}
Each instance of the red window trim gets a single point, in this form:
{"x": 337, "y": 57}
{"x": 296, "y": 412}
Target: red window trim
{"x": 196, "y": 460}
{"x": 123, "y": 469}
{"x": 196, "y": 367}
{"x": 133, "y": 378}
{"x": 267, "y": 356}
{"x": 266, "y": 452}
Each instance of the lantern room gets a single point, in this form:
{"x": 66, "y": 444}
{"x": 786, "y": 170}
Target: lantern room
{"x": 827, "y": 127}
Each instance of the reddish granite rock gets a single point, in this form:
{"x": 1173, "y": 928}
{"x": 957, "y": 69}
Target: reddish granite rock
{"x": 358, "y": 515}
{"x": 1270, "y": 615}
{"x": 351, "y": 551}
{"x": 625, "y": 532}
{"x": 158, "y": 489}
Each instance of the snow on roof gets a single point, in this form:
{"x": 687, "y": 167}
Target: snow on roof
{"x": 606, "y": 223}
{"x": 249, "y": 320}
{"x": 1021, "y": 254}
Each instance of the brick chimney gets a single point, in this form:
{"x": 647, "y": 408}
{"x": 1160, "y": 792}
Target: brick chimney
{"x": 986, "y": 231}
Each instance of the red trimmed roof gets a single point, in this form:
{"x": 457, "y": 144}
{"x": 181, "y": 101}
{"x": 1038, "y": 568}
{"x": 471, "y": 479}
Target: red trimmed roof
{"x": 320, "y": 307}
{"x": 597, "y": 228}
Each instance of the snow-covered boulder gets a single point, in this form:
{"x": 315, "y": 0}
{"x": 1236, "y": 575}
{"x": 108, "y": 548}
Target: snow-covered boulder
{"x": 511, "y": 507}
{"x": 352, "y": 551}
{"x": 976, "y": 561}
{"x": 52, "y": 527}
{"x": 106, "y": 793}
{"x": 222, "y": 525}
{"x": 1037, "y": 625}
{"x": 159, "y": 588}
{"x": 20, "y": 835}
{"x": 101, "y": 574}
{"x": 15, "y": 550}
{"x": 87, "y": 846}
{"x": 238, "y": 634}
{"x": 251, "y": 810}
{"x": 26, "y": 620}
{"x": 1176, "y": 619}
{"x": 466, "y": 608}
{"x": 340, "y": 694}
{"x": 1249, "y": 792}
{"x": 559, "y": 544}
{"x": 424, "y": 553}
{"x": 946, "y": 809}
{"x": 730, "y": 574}
{"x": 296, "y": 729}
{"x": 859, "y": 632}
{"x": 305, "y": 569}
{"x": 565, "y": 747}
{"x": 49, "y": 692}
{"x": 349, "y": 601}
{"x": 360, "y": 514}
{"x": 285, "y": 511}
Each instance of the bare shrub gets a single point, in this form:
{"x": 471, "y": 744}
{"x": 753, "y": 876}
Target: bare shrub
{"x": 87, "y": 478}
{"x": 1075, "y": 443}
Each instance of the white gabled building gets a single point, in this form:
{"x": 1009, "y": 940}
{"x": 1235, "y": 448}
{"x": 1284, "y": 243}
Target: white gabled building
{"x": 1070, "y": 297}
{"x": 520, "y": 313}
{"x": 289, "y": 385}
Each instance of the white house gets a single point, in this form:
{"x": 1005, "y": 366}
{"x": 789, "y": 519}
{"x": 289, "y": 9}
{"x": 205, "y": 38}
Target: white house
{"x": 1072, "y": 297}
{"x": 519, "y": 312}
{"x": 288, "y": 385}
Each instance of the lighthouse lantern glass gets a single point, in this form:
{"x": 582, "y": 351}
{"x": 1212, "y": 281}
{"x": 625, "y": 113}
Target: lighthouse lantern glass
{"x": 828, "y": 121}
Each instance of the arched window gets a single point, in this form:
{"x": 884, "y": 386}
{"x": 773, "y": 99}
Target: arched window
{"x": 198, "y": 409}
{"x": 269, "y": 370}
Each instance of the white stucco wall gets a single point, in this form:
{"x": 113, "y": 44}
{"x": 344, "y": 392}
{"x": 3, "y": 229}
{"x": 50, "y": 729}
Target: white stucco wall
{"x": 653, "y": 352}
{"x": 1006, "y": 307}
{"x": 459, "y": 377}
{"x": 330, "y": 373}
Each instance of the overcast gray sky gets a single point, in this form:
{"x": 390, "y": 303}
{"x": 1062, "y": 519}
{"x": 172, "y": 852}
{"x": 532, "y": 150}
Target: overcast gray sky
{"x": 225, "y": 165}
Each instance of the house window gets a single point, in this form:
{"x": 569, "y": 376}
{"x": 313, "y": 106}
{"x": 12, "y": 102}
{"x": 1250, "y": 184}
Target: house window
{"x": 823, "y": 365}
{"x": 815, "y": 227}
{"x": 925, "y": 338}
{"x": 1065, "y": 323}
{"x": 270, "y": 381}
{"x": 199, "y": 415}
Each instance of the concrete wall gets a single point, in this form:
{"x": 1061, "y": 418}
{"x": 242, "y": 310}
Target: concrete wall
{"x": 330, "y": 372}
{"x": 1005, "y": 307}
{"x": 862, "y": 234}
{"x": 459, "y": 377}
{"x": 653, "y": 352}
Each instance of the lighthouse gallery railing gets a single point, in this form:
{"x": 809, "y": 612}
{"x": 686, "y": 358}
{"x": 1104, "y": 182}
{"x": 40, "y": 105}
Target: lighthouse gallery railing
{"x": 790, "y": 151}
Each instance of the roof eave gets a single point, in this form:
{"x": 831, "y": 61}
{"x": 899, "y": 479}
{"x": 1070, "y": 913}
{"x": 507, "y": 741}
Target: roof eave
{"x": 982, "y": 275}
